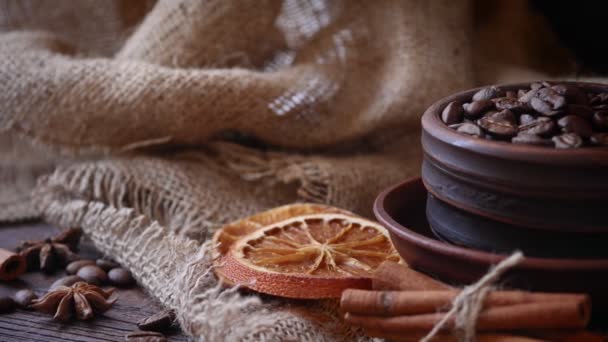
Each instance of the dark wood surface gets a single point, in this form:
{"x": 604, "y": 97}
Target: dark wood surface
{"x": 133, "y": 304}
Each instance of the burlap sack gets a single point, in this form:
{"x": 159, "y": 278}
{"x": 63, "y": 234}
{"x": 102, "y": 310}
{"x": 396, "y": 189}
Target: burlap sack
{"x": 321, "y": 100}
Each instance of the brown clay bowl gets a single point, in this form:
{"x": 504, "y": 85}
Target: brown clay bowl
{"x": 523, "y": 185}
{"x": 401, "y": 209}
{"x": 462, "y": 228}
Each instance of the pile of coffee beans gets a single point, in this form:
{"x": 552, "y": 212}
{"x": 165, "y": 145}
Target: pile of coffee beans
{"x": 545, "y": 114}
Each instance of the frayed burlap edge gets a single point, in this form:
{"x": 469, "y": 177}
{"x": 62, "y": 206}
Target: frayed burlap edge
{"x": 177, "y": 271}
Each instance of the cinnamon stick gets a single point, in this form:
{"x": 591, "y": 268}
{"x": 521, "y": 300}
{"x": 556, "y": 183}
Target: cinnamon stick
{"x": 393, "y": 303}
{"x": 446, "y": 337}
{"x": 11, "y": 265}
{"x": 557, "y": 315}
{"x": 393, "y": 276}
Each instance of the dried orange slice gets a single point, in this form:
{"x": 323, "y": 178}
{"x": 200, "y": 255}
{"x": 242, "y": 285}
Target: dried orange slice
{"x": 230, "y": 233}
{"x": 310, "y": 256}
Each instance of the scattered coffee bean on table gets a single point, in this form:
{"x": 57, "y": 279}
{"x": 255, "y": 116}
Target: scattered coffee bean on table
{"x": 74, "y": 266}
{"x": 547, "y": 114}
{"x": 93, "y": 274}
{"x": 120, "y": 277}
{"x": 24, "y": 298}
{"x": 106, "y": 265}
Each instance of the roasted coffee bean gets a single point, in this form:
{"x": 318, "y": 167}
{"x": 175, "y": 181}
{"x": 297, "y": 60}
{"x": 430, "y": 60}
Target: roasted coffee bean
{"x": 598, "y": 99}
{"x": 499, "y": 124}
{"x": 487, "y": 94}
{"x": 583, "y": 111}
{"x": 74, "y": 266}
{"x": 572, "y": 94}
{"x": 93, "y": 274}
{"x": 23, "y": 298}
{"x": 536, "y": 86}
{"x": 548, "y": 102}
{"x": 527, "y": 96}
{"x": 470, "y": 129}
{"x": 575, "y": 124}
{"x": 477, "y": 108}
{"x": 530, "y": 139}
{"x": 452, "y": 113}
{"x": 512, "y": 104}
{"x": 145, "y": 336}
{"x": 526, "y": 119}
{"x": 600, "y": 120}
{"x": 521, "y": 92}
{"x": 7, "y": 304}
{"x": 66, "y": 281}
{"x": 600, "y": 139}
{"x": 567, "y": 140}
{"x": 541, "y": 126}
{"x": 120, "y": 277}
{"x": 161, "y": 322}
{"x": 106, "y": 265}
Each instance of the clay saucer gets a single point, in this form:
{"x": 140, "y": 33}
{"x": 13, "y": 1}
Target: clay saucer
{"x": 401, "y": 209}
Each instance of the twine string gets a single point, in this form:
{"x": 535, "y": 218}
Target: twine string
{"x": 467, "y": 306}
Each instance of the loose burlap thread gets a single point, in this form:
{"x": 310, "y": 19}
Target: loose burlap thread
{"x": 320, "y": 101}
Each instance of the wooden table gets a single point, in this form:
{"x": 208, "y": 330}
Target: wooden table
{"x": 133, "y": 304}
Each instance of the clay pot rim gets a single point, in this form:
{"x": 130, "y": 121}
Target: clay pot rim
{"x": 433, "y": 125}
{"x": 471, "y": 255}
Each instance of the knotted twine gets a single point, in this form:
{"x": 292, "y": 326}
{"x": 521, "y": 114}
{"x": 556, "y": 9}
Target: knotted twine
{"x": 469, "y": 303}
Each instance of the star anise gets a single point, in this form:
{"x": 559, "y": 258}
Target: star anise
{"x": 80, "y": 300}
{"x": 51, "y": 253}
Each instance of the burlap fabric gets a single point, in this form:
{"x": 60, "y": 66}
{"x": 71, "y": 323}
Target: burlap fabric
{"x": 207, "y": 111}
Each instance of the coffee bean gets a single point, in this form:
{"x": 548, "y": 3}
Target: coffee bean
{"x": 536, "y": 86}
{"x": 567, "y": 140}
{"x": 477, "y": 108}
{"x": 23, "y": 298}
{"x": 66, "y": 281}
{"x": 567, "y": 114}
{"x": 548, "y": 102}
{"x": 530, "y": 139}
{"x": 452, "y": 113}
{"x": 512, "y": 104}
{"x": 572, "y": 94}
{"x": 597, "y": 99}
{"x": 575, "y": 124}
{"x": 541, "y": 126}
{"x": 470, "y": 129}
{"x": 583, "y": 111}
{"x": 600, "y": 139}
{"x": 600, "y": 120}
{"x": 521, "y": 92}
{"x": 487, "y": 94}
{"x": 499, "y": 124}
{"x": 526, "y": 119}
{"x": 527, "y": 96}
{"x": 145, "y": 336}
{"x": 7, "y": 304}
{"x": 161, "y": 322}
{"x": 106, "y": 265}
{"x": 93, "y": 274}
{"x": 74, "y": 266}
{"x": 120, "y": 277}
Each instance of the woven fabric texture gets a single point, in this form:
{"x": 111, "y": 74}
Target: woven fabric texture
{"x": 179, "y": 116}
